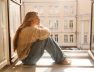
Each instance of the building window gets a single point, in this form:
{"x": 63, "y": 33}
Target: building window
{"x": 85, "y": 39}
{"x": 66, "y": 38}
{"x": 71, "y": 24}
{"x": 71, "y": 38}
{"x": 56, "y": 37}
{"x": 51, "y": 36}
{"x": 53, "y": 24}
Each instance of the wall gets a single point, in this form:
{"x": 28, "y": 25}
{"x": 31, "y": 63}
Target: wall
{"x": 4, "y": 45}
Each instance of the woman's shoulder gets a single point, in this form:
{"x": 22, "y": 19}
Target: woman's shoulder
{"x": 34, "y": 28}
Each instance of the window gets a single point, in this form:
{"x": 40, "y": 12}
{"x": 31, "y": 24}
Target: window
{"x": 65, "y": 38}
{"x": 53, "y": 24}
{"x": 51, "y": 36}
{"x": 85, "y": 39}
{"x": 71, "y": 38}
{"x": 71, "y": 24}
{"x": 56, "y": 37}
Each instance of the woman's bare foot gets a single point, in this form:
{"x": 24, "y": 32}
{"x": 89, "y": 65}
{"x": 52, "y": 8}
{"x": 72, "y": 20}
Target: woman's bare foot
{"x": 65, "y": 62}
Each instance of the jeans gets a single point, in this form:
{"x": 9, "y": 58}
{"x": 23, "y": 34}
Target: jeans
{"x": 38, "y": 48}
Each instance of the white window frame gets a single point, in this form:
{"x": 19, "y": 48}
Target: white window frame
{"x": 71, "y": 24}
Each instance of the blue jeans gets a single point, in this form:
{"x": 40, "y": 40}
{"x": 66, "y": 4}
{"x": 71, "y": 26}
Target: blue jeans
{"x": 38, "y": 48}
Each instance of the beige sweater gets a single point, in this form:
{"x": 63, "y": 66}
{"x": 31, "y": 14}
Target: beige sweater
{"x": 27, "y": 36}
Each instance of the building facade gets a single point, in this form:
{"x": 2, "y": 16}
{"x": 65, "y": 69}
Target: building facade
{"x": 59, "y": 16}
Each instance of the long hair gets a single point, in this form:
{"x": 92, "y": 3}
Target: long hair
{"x": 27, "y": 22}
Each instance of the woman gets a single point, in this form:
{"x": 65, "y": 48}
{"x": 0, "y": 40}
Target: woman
{"x": 31, "y": 40}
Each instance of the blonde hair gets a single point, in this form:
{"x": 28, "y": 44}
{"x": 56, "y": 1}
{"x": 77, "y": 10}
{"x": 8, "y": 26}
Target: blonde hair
{"x": 27, "y": 22}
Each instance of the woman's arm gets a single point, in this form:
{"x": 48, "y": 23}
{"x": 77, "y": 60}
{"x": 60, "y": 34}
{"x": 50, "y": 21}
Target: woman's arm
{"x": 43, "y": 32}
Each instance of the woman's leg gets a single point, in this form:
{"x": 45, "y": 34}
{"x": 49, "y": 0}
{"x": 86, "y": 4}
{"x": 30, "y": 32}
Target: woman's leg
{"x": 38, "y": 48}
{"x": 54, "y": 50}
{"x": 36, "y": 52}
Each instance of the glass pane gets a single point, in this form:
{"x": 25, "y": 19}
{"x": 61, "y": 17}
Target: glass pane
{"x": 92, "y": 43}
{"x": 14, "y": 13}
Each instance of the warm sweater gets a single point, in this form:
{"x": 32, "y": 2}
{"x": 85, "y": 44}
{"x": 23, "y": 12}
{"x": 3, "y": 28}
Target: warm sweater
{"x": 27, "y": 36}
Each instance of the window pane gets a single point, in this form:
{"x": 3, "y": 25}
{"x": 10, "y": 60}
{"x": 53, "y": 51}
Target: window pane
{"x": 71, "y": 38}
{"x": 65, "y": 38}
{"x": 71, "y": 24}
{"x": 56, "y": 37}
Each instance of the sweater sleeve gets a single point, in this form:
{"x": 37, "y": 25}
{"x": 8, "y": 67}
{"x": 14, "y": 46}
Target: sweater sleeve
{"x": 43, "y": 33}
